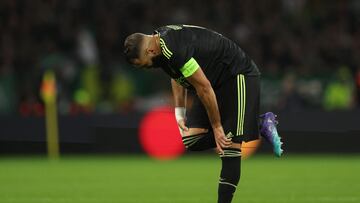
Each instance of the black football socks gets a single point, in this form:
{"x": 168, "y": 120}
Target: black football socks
{"x": 230, "y": 174}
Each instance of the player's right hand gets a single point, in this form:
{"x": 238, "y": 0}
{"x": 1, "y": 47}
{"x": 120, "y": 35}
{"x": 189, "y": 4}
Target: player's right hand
{"x": 221, "y": 140}
{"x": 182, "y": 126}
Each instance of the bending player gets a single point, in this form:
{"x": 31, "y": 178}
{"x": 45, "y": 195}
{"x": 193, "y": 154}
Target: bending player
{"x": 226, "y": 81}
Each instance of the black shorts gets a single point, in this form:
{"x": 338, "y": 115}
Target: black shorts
{"x": 238, "y": 101}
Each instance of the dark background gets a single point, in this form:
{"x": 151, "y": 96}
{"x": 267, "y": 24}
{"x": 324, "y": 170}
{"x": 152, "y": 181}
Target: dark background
{"x": 307, "y": 50}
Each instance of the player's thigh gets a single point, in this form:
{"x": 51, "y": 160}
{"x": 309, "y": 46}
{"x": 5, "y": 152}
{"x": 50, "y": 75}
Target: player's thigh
{"x": 197, "y": 116}
{"x": 238, "y": 101}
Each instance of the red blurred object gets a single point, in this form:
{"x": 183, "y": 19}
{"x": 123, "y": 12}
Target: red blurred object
{"x": 25, "y": 109}
{"x": 38, "y": 109}
{"x": 159, "y": 134}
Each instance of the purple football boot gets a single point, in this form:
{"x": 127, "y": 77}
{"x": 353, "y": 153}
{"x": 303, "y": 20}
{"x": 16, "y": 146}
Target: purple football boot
{"x": 269, "y": 132}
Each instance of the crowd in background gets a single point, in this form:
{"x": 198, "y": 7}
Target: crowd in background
{"x": 307, "y": 50}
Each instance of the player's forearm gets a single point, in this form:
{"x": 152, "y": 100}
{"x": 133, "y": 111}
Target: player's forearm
{"x": 179, "y": 94}
{"x": 208, "y": 98}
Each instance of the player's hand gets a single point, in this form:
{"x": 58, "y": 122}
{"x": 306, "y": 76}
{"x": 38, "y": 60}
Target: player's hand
{"x": 221, "y": 140}
{"x": 182, "y": 126}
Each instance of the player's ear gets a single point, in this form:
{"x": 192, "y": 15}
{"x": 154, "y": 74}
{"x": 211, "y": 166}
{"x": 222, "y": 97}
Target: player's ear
{"x": 150, "y": 51}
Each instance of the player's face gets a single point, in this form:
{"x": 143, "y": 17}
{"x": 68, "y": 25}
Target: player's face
{"x": 142, "y": 62}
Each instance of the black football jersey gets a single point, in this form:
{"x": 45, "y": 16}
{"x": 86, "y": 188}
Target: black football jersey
{"x": 185, "y": 48}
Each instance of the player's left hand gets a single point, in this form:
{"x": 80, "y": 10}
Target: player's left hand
{"x": 221, "y": 140}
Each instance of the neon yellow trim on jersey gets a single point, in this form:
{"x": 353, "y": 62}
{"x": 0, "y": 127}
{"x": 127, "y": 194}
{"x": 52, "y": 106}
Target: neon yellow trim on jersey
{"x": 239, "y": 105}
{"x": 166, "y": 54}
{"x": 243, "y": 103}
{"x": 165, "y": 50}
{"x": 189, "y": 68}
{"x": 241, "y": 88}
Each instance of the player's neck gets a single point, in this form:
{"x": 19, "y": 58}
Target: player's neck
{"x": 155, "y": 41}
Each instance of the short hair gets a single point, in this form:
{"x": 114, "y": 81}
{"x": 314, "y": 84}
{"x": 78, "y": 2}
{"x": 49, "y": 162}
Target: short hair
{"x": 132, "y": 46}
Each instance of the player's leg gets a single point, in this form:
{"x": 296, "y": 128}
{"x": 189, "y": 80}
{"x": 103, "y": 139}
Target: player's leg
{"x": 197, "y": 139}
{"x": 230, "y": 173}
{"x": 200, "y": 136}
{"x": 239, "y": 113}
{"x": 239, "y": 107}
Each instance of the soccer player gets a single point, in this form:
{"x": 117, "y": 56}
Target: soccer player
{"x": 226, "y": 81}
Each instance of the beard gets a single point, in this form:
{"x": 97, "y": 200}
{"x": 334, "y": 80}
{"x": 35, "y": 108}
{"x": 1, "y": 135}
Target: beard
{"x": 156, "y": 61}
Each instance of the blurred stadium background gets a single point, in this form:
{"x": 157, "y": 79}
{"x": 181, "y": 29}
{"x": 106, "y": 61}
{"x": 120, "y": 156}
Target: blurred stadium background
{"x": 308, "y": 52}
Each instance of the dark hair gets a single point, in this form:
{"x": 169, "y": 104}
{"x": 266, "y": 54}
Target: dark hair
{"x": 132, "y": 46}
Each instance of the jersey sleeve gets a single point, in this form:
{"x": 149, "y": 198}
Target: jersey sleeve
{"x": 178, "y": 49}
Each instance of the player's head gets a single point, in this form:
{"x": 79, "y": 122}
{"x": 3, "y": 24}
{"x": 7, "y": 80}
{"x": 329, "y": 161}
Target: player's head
{"x": 141, "y": 50}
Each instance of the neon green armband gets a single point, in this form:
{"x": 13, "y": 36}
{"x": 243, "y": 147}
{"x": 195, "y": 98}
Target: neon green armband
{"x": 189, "y": 68}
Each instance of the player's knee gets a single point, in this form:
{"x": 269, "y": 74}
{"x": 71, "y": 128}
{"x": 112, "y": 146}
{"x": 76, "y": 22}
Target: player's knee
{"x": 231, "y": 152}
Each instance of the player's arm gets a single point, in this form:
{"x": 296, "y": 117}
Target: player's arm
{"x": 179, "y": 93}
{"x": 207, "y": 96}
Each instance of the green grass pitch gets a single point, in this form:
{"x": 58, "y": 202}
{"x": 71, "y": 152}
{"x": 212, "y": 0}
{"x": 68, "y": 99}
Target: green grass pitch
{"x": 190, "y": 179}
